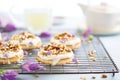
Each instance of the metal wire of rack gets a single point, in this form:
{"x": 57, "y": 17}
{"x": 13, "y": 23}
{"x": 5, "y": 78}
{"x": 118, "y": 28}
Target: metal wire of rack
{"x": 103, "y": 64}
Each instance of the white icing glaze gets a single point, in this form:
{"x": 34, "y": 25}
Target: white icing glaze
{"x": 33, "y": 41}
{"x": 56, "y": 58}
{"x": 12, "y": 54}
{"x": 70, "y": 42}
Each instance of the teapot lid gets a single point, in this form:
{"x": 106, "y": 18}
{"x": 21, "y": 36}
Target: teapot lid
{"x": 105, "y": 8}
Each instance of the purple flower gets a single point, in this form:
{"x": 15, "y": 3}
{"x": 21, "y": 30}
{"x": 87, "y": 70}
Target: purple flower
{"x": 7, "y": 39}
{"x": 6, "y": 55}
{"x": 73, "y": 36}
{"x": 9, "y": 75}
{"x": 25, "y": 53}
{"x": 49, "y": 52}
{"x": 87, "y": 33}
{"x": 22, "y": 33}
{"x": 45, "y": 35}
{"x": 31, "y": 66}
{"x": 75, "y": 60}
{"x": 63, "y": 40}
{"x": 30, "y": 43}
{"x": 20, "y": 40}
{"x": 0, "y": 24}
{"x": 10, "y": 27}
{"x": 3, "y": 44}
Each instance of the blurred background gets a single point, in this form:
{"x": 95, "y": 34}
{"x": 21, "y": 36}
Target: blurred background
{"x": 102, "y": 16}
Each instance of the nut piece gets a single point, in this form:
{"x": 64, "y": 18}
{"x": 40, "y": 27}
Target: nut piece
{"x": 93, "y": 58}
{"x": 36, "y": 75}
{"x": 104, "y": 76}
{"x": 93, "y": 77}
{"x": 82, "y": 40}
{"x": 94, "y": 51}
{"x": 91, "y": 53}
{"x": 83, "y": 78}
{"x": 88, "y": 42}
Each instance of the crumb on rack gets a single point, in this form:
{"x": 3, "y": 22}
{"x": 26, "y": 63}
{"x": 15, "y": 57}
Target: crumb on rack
{"x": 88, "y": 42}
{"x": 104, "y": 76}
{"x": 90, "y": 37}
{"x": 83, "y": 78}
{"x": 30, "y": 54}
{"x": 81, "y": 39}
{"x": 36, "y": 75}
{"x": 93, "y": 58}
{"x": 91, "y": 53}
{"x": 75, "y": 60}
{"x": 93, "y": 77}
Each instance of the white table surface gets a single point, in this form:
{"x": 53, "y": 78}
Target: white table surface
{"x": 111, "y": 43}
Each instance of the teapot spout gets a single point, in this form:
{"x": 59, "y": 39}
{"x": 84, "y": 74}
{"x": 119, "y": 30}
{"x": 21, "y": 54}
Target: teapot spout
{"x": 83, "y": 7}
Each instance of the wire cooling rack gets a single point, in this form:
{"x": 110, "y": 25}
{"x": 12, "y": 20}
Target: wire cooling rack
{"x": 103, "y": 63}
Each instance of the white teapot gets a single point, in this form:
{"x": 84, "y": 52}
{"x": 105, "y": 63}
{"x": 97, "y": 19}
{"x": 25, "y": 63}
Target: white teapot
{"x": 103, "y": 19}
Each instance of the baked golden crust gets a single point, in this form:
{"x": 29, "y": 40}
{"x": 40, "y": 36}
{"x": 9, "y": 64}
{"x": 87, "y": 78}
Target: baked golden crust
{"x": 11, "y": 60}
{"x": 61, "y": 62}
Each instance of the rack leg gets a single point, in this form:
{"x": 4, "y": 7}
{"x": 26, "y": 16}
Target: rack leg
{"x": 113, "y": 74}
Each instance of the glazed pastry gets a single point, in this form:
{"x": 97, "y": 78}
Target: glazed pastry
{"x": 27, "y": 40}
{"x": 55, "y": 54}
{"x": 68, "y": 39}
{"x": 10, "y": 52}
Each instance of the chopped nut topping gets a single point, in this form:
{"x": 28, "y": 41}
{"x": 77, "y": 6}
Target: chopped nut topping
{"x": 64, "y": 36}
{"x": 53, "y": 48}
{"x": 104, "y": 76}
{"x": 23, "y": 36}
{"x": 10, "y": 46}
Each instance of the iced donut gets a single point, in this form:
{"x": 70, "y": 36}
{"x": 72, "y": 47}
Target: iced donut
{"x": 68, "y": 39}
{"x": 27, "y": 40}
{"x": 10, "y": 52}
{"x": 55, "y": 54}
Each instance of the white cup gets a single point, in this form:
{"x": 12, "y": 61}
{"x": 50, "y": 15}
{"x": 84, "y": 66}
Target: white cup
{"x": 38, "y": 20}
